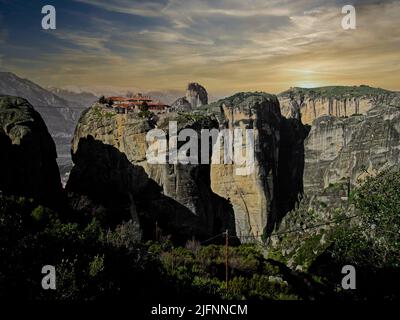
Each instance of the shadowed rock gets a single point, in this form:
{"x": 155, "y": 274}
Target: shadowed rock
{"x": 28, "y": 155}
{"x": 203, "y": 200}
{"x": 111, "y": 176}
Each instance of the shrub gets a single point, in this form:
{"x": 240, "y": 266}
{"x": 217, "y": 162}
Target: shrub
{"x": 145, "y": 114}
{"x": 378, "y": 201}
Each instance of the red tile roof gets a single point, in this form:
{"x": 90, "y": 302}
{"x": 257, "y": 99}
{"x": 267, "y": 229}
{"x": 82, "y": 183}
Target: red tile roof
{"x": 116, "y": 98}
{"x": 125, "y": 102}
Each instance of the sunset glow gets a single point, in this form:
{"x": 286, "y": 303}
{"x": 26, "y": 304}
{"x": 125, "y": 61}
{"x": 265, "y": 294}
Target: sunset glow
{"x": 226, "y": 45}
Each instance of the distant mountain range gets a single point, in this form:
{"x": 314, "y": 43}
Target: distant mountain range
{"x": 60, "y": 110}
{"x": 82, "y": 99}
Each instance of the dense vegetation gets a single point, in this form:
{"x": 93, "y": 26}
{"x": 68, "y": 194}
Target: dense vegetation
{"x": 91, "y": 262}
{"x": 364, "y": 234}
{"x": 372, "y": 243}
{"x": 251, "y": 276}
{"x": 94, "y": 262}
{"x": 376, "y": 239}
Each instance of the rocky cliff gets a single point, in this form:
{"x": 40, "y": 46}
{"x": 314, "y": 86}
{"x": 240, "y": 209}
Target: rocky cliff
{"x": 202, "y": 199}
{"x": 261, "y": 198}
{"x": 340, "y": 152}
{"x": 323, "y": 163}
{"x": 111, "y": 172}
{"x": 28, "y": 155}
{"x": 338, "y": 101}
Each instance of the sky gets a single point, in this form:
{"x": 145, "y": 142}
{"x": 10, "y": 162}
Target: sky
{"x": 226, "y": 45}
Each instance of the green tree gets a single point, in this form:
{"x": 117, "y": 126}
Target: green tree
{"x": 144, "y": 106}
{"x": 378, "y": 201}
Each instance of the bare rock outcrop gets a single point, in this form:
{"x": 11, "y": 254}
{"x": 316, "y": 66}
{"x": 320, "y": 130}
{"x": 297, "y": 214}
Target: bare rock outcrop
{"x": 198, "y": 200}
{"x": 340, "y": 153}
{"x": 337, "y": 101}
{"x": 176, "y": 198}
{"x": 261, "y": 198}
{"x": 196, "y": 96}
{"x": 181, "y": 104}
{"x": 349, "y": 149}
{"x": 28, "y": 154}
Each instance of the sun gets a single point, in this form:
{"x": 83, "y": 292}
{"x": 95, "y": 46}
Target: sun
{"x": 307, "y": 84}
{"x": 306, "y": 78}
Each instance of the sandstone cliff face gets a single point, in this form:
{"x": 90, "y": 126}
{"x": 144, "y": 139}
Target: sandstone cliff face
{"x": 348, "y": 149}
{"x": 335, "y": 101}
{"x": 253, "y": 196}
{"x": 28, "y": 155}
{"x": 197, "y": 199}
{"x": 339, "y": 154}
{"x": 177, "y": 197}
{"x": 261, "y": 198}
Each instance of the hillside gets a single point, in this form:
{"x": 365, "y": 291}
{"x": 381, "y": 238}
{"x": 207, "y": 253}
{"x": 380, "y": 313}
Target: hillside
{"x": 79, "y": 99}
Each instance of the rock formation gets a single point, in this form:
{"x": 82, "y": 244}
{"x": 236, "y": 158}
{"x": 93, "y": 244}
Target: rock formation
{"x": 261, "y": 198}
{"x": 111, "y": 148}
{"x": 181, "y": 104}
{"x": 348, "y": 149}
{"x": 28, "y": 155}
{"x": 340, "y": 152}
{"x": 203, "y": 200}
{"x": 196, "y": 96}
{"x": 337, "y": 101}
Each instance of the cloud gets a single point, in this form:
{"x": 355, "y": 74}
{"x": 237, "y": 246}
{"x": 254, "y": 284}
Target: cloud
{"x": 227, "y": 44}
{"x": 3, "y": 30}
{"x": 82, "y": 39}
{"x": 134, "y": 7}
{"x": 171, "y": 8}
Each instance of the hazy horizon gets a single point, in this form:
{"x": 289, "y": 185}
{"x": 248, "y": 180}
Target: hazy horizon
{"x": 227, "y": 46}
{"x": 110, "y": 90}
